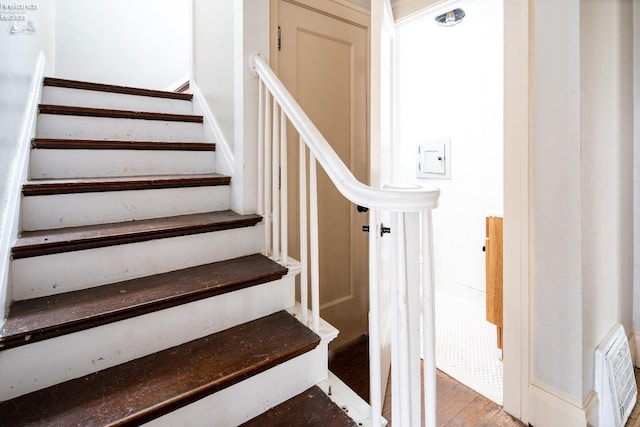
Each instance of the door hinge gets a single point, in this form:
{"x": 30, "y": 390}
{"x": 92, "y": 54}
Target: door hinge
{"x": 279, "y": 38}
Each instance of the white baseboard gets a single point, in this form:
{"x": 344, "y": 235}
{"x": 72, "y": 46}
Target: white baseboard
{"x": 176, "y": 84}
{"x": 591, "y": 409}
{"x": 634, "y": 346}
{"x": 225, "y": 160}
{"x": 549, "y": 410}
{"x": 17, "y": 175}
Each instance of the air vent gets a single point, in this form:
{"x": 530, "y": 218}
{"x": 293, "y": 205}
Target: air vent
{"x": 615, "y": 380}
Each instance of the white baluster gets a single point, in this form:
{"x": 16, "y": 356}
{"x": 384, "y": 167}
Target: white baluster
{"x": 402, "y": 372}
{"x": 284, "y": 192}
{"x": 315, "y": 252}
{"x": 428, "y": 321}
{"x": 275, "y": 183}
{"x": 261, "y": 112}
{"x": 304, "y": 258}
{"x": 267, "y": 175}
{"x": 396, "y": 387}
{"x": 412, "y": 252}
{"x": 375, "y": 380}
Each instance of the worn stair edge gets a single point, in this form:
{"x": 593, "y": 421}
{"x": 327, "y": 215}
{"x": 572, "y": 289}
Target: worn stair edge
{"x": 87, "y": 144}
{"x": 147, "y": 388}
{"x": 65, "y": 110}
{"x": 47, "y": 187}
{"x": 125, "y": 90}
{"x": 48, "y": 317}
{"x": 47, "y": 242}
{"x": 312, "y": 408}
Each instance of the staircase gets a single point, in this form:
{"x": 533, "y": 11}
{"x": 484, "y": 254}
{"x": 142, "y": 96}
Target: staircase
{"x": 138, "y": 296}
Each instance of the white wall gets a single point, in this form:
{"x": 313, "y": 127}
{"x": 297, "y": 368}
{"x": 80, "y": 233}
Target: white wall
{"x": 449, "y": 85}
{"x": 18, "y": 58}
{"x": 213, "y": 56}
{"x": 607, "y": 172}
{"x": 581, "y": 188}
{"x": 636, "y": 179}
{"x": 556, "y": 315}
{"x": 225, "y": 34}
{"x": 142, "y": 43}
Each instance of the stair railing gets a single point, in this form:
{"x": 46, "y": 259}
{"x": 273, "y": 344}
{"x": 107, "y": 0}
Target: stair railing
{"x": 411, "y": 258}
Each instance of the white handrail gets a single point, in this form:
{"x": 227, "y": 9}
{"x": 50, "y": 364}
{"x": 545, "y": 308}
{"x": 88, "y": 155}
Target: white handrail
{"x": 407, "y": 200}
{"x": 410, "y": 209}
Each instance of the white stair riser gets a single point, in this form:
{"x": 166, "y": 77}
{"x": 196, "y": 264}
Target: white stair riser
{"x": 243, "y": 401}
{"x": 71, "y": 210}
{"x": 106, "y": 128}
{"x": 114, "y": 101}
{"x": 57, "y": 164}
{"x": 42, "y": 364}
{"x": 58, "y": 273}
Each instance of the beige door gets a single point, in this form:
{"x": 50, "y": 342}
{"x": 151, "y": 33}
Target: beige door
{"x": 323, "y": 62}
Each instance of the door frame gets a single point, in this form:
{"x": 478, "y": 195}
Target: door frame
{"x": 517, "y": 198}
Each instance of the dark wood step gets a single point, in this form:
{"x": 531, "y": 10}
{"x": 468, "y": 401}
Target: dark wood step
{"x": 46, "y": 242}
{"x": 65, "y": 110}
{"x": 46, "y": 187}
{"x": 144, "y": 389}
{"x": 48, "y": 317}
{"x": 86, "y": 144}
{"x": 101, "y": 87}
{"x": 313, "y": 408}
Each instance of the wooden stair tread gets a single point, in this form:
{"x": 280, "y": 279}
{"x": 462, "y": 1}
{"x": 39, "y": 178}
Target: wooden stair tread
{"x": 146, "y": 388}
{"x": 45, "y": 242}
{"x": 43, "y": 187}
{"x": 87, "y": 144}
{"x": 47, "y": 317}
{"x": 126, "y": 90}
{"x": 312, "y": 408}
{"x": 66, "y": 110}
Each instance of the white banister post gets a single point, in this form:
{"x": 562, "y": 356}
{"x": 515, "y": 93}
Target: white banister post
{"x": 412, "y": 244}
{"x": 315, "y": 251}
{"x": 375, "y": 340}
{"x": 396, "y": 386}
{"x": 284, "y": 199}
{"x": 428, "y": 320}
{"x": 304, "y": 250}
{"x": 402, "y": 372}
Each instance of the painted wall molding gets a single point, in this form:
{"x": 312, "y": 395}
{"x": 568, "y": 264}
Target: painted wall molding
{"x": 17, "y": 175}
{"x": 549, "y": 410}
{"x": 225, "y": 162}
{"x": 634, "y": 346}
{"x": 340, "y": 9}
{"x": 406, "y": 9}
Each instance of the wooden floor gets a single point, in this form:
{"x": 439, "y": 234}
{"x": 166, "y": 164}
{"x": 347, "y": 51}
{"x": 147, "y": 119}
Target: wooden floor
{"x": 634, "y": 419}
{"x": 457, "y": 405}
